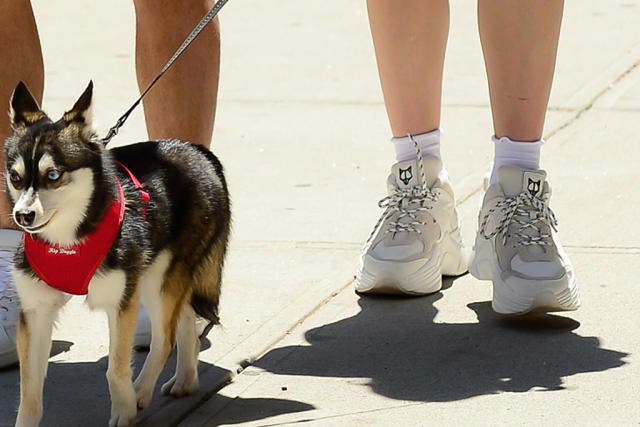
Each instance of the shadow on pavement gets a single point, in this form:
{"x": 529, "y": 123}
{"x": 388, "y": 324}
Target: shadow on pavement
{"x": 251, "y": 409}
{"x": 77, "y": 394}
{"x": 407, "y": 356}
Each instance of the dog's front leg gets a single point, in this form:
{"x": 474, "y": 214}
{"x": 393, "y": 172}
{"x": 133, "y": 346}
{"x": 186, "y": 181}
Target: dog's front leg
{"x": 122, "y": 324}
{"x": 34, "y": 346}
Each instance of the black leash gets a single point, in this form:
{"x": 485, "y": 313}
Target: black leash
{"x": 203, "y": 22}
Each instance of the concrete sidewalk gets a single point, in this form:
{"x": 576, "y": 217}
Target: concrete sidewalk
{"x": 303, "y": 134}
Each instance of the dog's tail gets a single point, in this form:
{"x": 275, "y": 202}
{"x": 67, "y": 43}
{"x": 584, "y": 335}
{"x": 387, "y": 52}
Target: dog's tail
{"x": 208, "y": 279}
{"x": 208, "y": 273}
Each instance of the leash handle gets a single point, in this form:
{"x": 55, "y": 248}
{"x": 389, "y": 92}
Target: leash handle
{"x": 194, "y": 33}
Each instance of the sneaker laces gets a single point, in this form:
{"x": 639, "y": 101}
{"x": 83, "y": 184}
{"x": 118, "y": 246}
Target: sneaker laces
{"x": 525, "y": 210}
{"x": 8, "y": 297}
{"x": 408, "y": 202}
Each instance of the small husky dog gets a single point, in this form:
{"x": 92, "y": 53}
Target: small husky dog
{"x": 149, "y": 220}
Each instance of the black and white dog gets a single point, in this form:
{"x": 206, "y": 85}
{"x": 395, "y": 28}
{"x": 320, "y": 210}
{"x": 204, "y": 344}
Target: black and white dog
{"x": 146, "y": 221}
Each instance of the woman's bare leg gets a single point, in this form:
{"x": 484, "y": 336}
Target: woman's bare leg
{"x": 519, "y": 42}
{"x": 410, "y": 38}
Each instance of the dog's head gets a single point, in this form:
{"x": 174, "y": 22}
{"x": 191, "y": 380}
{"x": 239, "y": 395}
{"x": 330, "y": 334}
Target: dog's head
{"x": 50, "y": 166}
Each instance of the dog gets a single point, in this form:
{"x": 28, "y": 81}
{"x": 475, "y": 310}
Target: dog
{"x": 148, "y": 221}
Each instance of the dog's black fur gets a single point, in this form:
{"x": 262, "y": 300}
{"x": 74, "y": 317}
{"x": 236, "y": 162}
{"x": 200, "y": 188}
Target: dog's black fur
{"x": 188, "y": 216}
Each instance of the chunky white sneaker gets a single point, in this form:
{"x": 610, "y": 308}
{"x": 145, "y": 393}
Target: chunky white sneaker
{"x": 9, "y": 304}
{"x": 9, "y": 312}
{"x": 517, "y": 247}
{"x": 417, "y": 238}
{"x": 142, "y": 336}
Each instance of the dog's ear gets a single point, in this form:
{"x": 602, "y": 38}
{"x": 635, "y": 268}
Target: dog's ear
{"x": 81, "y": 114}
{"x": 24, "y": 110}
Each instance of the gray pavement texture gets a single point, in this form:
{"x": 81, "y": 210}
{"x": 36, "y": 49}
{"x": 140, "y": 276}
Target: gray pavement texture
{"x": 302, "y": 131}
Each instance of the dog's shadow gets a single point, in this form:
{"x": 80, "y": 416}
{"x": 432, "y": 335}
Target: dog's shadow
{"x": 77, "y": 394}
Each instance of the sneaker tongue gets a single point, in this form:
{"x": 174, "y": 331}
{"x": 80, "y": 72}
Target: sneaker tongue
{"x": 407, "y": 174}
{"x": 515, "y": 180}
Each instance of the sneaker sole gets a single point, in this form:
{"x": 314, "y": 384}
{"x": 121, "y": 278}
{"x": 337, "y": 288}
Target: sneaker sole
{"x": 142, "y": 340}
{"x": 533, "y": 296}
{"x": 382, "y": 277}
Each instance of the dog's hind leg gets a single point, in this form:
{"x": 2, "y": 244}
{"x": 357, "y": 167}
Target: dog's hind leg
{"x": 40, "y": 305}
{"x": 185, "y": 380}
{"x": 122, "y": 324}
{"x": 164, "y": 310}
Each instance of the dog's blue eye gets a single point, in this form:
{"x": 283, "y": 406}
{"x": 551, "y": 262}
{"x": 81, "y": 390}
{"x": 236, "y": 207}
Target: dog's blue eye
{"x": 53, "y": 175}
{"x": 14, "y": 177}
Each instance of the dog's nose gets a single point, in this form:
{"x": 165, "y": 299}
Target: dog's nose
{"x": 25, "y": 218}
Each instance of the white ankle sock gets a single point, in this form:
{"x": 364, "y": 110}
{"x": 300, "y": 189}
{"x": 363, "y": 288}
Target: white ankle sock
{"x": 428, "y": 142}
{"x": 514, "y": 153}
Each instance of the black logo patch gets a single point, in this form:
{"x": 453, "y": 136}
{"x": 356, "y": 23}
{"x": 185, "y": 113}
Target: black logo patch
{"x": 405, "y": 175}
{"x": 533, "y": 186}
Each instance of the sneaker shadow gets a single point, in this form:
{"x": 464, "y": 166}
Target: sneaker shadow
{"x": 77, "y": 394}
{"x": 396, "y": 344}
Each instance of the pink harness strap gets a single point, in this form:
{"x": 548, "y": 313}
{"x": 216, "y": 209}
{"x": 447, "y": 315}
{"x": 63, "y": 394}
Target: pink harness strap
{"x": 143, "y": 194}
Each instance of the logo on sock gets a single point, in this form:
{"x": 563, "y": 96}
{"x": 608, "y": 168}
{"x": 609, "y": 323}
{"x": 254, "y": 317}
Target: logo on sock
{"x": 406, "y": 175}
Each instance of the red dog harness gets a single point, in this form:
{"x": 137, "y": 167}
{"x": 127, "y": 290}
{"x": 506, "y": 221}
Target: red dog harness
{"x": 71, "y": 268}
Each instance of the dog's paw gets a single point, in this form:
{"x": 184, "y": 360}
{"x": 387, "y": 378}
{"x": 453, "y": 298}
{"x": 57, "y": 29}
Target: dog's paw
{"x": 143, "y": 397}
{"x": 122, "y": 416}
{"x": 179, "y": 386}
